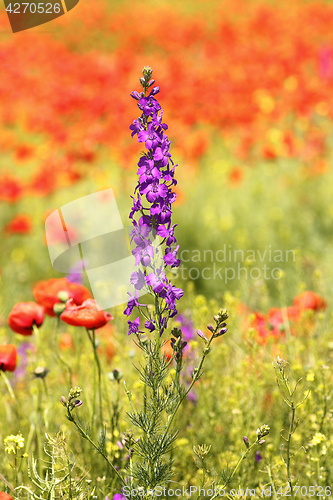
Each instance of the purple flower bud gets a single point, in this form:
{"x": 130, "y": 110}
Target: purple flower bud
{"x": 258, "y": 457}
{"x": 261, "y": 441}
{"x": 220, "y": 332}
{"x": 246, "y": 441}
{"x": 202, "y": 335}
{"x": 63, "y": 400}
{"x": 210, "y": 328}
{"x": 78, "y": 403}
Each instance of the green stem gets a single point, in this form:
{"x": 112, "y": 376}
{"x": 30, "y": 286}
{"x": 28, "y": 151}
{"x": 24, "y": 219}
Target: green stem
{"x": 85, "y": 435}
{"x": 93, "y": 342}
{"x": 272, "y": 482}
{"x": 195, "y": 378}
{"x": 36, "y": 332}
{"x": 55, "y": 348}
{"x": 236, "y": 468}
{"x": 9, "y": 387}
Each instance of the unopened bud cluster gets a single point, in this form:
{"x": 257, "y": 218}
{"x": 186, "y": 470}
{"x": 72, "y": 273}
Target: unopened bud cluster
{"x": 262, "y": 432}
{"x": 201, "y": 450}
{"x": 145, "y": 79}
{"x": 115, "y": 375}
{"x": 128, "y": 441}
{"x": 72, "y": 401}
{"x": 177, "y": 343}
{"x": 220, "y": 328}
{"x": 220, "y": 319}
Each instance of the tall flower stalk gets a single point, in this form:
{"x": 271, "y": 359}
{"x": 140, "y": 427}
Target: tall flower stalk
{"x": 151, "y": 218}
{"x": 153, "y": 231}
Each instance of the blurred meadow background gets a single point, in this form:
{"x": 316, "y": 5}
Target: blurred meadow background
{"x": 247, "y": 92}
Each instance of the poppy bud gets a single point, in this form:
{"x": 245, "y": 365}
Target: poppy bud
{"x": 41, "y": 372}
{"x": 59, "y": 308}
{"x": 63, "y": 296}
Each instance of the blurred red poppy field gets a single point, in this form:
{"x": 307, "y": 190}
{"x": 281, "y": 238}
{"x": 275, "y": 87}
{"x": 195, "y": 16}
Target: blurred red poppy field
{"x": 246, "y": 88}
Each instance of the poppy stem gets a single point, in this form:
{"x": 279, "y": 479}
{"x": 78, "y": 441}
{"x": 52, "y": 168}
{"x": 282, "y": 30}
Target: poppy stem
{"x": 55, "y": 347}
{"x": 9, "y": 387}
{"x": 36, "y": 332}
{"x": 93, "y": 342}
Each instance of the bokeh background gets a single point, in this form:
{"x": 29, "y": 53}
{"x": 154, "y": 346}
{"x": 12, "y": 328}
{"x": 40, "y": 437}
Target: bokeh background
{"x": 247, "y": 91}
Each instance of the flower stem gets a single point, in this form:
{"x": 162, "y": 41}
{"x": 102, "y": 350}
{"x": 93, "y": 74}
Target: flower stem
{"x": 92, "y": 339}
{"x": 236, "y": 468}
{"x": 87, "y": 437}
{"x": 9, "y": 387}
{"x": 55, "y": 348}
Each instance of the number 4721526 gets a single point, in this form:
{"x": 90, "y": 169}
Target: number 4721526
{"x": 41, "y": 8}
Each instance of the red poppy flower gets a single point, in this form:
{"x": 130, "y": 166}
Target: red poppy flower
{"x": 236, "y": 176}
{"x": 8, "y": 359}
{"x": 5, "y": 496}
{"x": 257, "y": 321}
{"x": 23, "y": 152}
{"x": 276, "y": 318}
{"x": 66, "y": 342}
{"x": 10, "y": 189}
{"x": 20, "y": 224}
{"x": 24, "y": 315}
{"x": 310, "y": 300}
{"x": 167, "y": 350}
{"x": 87, "y": 314}
{"x": 46, "y": 293}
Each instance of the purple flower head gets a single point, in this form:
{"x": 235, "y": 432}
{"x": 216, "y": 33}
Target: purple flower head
{"x": 150, "y": 326}
{"x": 140, "y": 232}
{"x": 162, "y": 212}
{"x": 186, "y": 327}
{"x": 156, "y": 281}
{"x": 154, "y": 191}
{"x": 138, "y": 279}
{"x": 258, "y": 457}
{"x": 170, "y": 257}
{"x": 171, "y": 294}
{"x": 157, "y": 121}
{"x": 136, "y": 127}
{"x": 192, "y": 396}
{"x": 168, "y": 233}
{"x": 148, "y": 171}
{"x": 118, "y": 496}
{"x": 137, "y": 206}
{"x": 75, "y": 274}
{"x": 156, "y": 176}
{"x": 143, "y": 253}
{"x": 150, "y": 137}
{"x": 23, "y": 353}
{"x": 161, "y": 153}
{"x": 168, "y": 175}
{"x": 133, "y": 326}
{"x": 133, "y": 302}
{"x": 148, "y": 105}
